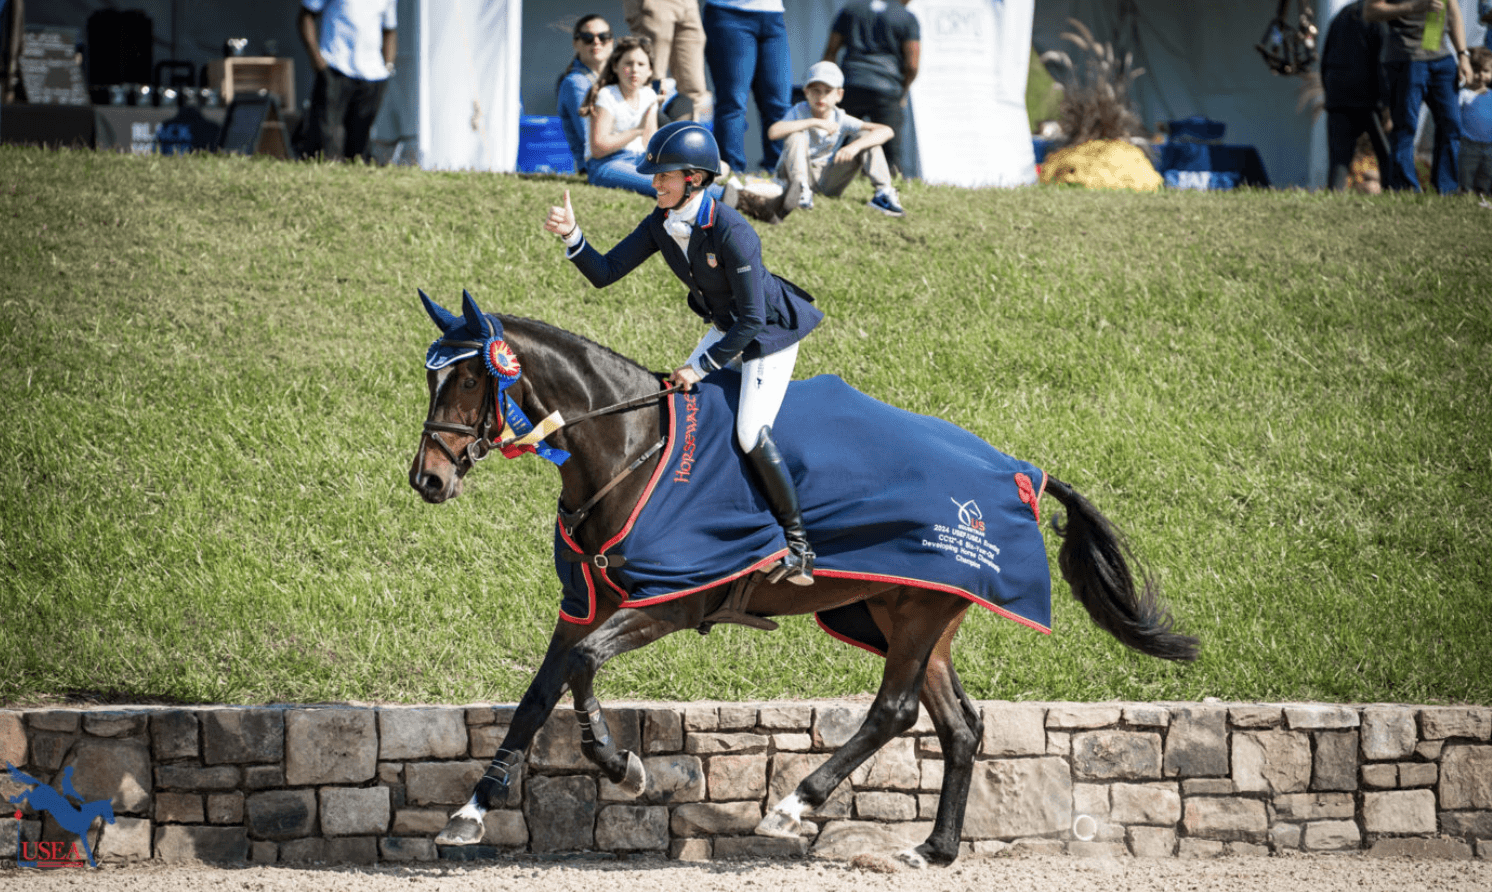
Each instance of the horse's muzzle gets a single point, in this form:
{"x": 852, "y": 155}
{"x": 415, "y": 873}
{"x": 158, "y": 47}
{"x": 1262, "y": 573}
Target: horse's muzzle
{"x": 434, "y": 486}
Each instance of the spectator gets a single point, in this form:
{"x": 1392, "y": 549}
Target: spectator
{"x": 1476, "y": 121}
{"x": 1351, "y": 81}
{"x": 1414, "y": 75}
{"x": 1484, "y": 15}
{"x": 623, "y": 109}
{"x": 882, "y": 45}
{"x": 593, "y": 42}
{"x": 746, "y": 48}
{"x": 678, "y": 37}
{"x": 823, "y": 148}
{"x": 352, "y": 44}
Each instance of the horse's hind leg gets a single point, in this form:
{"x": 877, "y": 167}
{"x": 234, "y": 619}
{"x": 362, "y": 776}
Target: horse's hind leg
{"x": 959, "y": 730}
{"x": 913, "y": 621}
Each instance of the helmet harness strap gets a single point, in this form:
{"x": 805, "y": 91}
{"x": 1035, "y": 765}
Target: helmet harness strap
{"x": 688, "y": 192}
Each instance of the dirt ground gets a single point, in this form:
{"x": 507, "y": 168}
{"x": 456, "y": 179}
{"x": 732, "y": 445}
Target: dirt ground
{"x": 1034, "y": 873}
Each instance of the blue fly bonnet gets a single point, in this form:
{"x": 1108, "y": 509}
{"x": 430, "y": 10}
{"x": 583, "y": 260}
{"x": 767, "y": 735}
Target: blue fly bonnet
{"x": 476, "y": 333}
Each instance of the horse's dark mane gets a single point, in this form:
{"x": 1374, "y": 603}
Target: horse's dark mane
{"x": 572, "y": 336}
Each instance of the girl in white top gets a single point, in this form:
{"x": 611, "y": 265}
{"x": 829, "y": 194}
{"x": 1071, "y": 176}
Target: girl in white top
{"x": 623, "y": 109}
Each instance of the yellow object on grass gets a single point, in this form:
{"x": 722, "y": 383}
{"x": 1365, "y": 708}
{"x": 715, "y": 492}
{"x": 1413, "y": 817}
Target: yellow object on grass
{"x": 1102, "y": 164}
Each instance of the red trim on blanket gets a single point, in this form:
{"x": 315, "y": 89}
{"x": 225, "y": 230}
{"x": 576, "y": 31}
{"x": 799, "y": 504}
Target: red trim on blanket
{"x": 647, "y": 494}
{"x": 590, "y": 584}
{"x": 846, "y": 639}
{"x": 767, "y": 561}
{"x": 935, "y": 586}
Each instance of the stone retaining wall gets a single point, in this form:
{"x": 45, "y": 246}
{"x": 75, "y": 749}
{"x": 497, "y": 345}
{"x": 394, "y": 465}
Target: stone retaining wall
{"x": 362, "y": 785}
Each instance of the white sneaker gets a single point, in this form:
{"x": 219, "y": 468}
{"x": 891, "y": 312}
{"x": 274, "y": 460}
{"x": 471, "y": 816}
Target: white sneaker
{"x": 887, "y": 202}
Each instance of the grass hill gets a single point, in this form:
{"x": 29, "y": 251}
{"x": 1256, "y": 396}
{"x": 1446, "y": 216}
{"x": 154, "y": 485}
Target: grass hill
{"x": 210, "y": 369}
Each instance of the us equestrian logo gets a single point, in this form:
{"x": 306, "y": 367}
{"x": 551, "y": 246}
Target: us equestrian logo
{"x": 75, "y": 819}
{"x": 969, "y": 515}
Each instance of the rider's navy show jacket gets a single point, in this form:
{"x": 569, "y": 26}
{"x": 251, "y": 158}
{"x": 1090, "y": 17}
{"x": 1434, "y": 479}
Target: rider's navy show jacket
{"x": 728, "y": 286}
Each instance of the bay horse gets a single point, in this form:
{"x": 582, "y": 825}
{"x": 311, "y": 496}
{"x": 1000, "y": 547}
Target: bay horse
{"x": 476, "y": 381}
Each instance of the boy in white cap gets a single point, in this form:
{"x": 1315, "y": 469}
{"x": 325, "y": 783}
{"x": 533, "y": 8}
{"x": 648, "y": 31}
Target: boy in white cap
{"x": 824, "y": 148}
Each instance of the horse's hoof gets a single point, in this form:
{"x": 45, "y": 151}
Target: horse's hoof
{"x": 636, "y": 779}
{"x": 913, "y": 859}
{"x": 784, "y": 820}
{"x": 778, "y": 825}
{"x": 461, "y": 830}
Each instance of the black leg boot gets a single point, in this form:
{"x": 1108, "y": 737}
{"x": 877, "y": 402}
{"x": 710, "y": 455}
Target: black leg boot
{"x": 782, "y": 495}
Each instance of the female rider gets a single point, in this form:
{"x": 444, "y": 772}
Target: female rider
{"x": 757, "y": 318}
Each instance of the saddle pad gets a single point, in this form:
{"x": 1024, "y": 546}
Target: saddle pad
{"x": 887, "y": 495}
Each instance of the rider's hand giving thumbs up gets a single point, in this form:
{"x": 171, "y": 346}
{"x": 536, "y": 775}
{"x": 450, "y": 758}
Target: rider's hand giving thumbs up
{"x": 561, "y": 220}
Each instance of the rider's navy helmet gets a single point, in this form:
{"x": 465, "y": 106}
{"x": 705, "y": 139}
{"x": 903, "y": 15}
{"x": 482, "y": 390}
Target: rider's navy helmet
{"x": 682, "y": 145}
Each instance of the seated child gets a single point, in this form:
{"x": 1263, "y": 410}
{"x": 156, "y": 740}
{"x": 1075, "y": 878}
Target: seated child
{"x": 824, "y": 149}
{"x": 1476, "y": 126}
{"x": 623, "y": 110}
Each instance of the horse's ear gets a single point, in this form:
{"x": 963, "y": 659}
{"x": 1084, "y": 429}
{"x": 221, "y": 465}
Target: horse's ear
{"x": 443, "y": 318}
{"x": 475, "y": 320}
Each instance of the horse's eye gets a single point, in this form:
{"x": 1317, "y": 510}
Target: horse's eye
{"x": 469, "y": 382}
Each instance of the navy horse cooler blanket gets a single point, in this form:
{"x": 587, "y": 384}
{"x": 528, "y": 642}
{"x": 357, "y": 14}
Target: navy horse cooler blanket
{"x": 887, "y": 495}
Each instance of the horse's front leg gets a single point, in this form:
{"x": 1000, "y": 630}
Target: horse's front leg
{"x": 465, "y": 826}
{"x": 627, "y": 630}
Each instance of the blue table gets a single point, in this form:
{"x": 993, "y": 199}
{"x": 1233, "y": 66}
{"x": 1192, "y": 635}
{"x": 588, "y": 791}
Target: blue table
{"x": 542, "y": 147}
{"x": 1209, "y": 166}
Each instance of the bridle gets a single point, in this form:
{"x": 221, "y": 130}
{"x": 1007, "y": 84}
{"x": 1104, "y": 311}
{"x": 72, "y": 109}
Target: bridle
{"x": 482, "y": 442}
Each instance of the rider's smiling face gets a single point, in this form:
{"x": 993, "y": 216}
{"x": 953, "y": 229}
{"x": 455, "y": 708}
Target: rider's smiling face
{"x": 670, "y": 187}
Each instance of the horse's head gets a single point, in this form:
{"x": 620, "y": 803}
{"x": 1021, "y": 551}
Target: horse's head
{"x": 465, "y": 367}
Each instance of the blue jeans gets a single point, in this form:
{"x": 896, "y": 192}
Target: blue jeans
{"x": 619, "y": 171}
{"x": 1434, "y": 84}
{"x": 747, "y": 53}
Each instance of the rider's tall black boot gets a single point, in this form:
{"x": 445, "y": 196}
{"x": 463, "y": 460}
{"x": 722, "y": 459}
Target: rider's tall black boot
{"x": 782, "y": 495}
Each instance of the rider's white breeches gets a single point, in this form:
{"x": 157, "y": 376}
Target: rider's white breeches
{"x": 763, "y": 385}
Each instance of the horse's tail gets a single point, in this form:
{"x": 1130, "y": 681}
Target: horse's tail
{"x": 1109, "y": 580}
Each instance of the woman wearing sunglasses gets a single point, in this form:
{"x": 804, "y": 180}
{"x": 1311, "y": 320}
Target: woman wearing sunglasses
{"x": 593, "y": 45}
